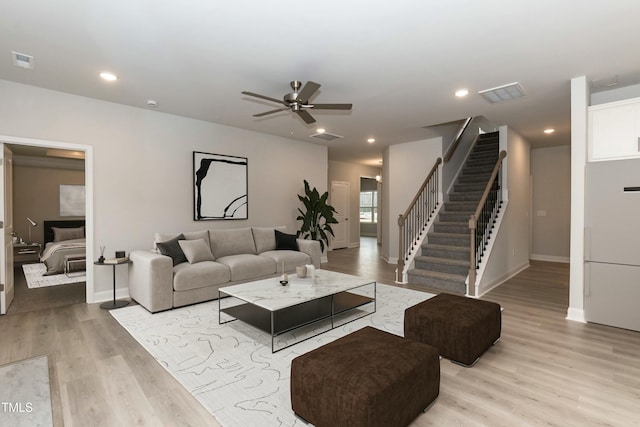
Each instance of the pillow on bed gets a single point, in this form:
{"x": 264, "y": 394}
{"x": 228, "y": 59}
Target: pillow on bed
{"x": 196, "y": 250}
{"x": 62, "y": 234}
{"x": 172, "y": 249}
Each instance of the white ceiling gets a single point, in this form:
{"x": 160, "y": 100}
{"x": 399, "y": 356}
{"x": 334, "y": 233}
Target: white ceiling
{"x": 398, "y": 62}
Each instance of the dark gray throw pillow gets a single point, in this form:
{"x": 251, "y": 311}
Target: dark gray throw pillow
{"x": 286, "y": 242}
{"x": 171, "y": 248}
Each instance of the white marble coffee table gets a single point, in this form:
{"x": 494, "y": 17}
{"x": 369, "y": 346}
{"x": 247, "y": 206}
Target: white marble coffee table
{"x": 300, "y": 310}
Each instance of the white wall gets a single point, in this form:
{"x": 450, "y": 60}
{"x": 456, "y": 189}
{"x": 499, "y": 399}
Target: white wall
{"x": 143, "y": 166}
{"x": 613, "y": 95}
{"x": 579, "y": 119}
{"x": 351, "y": 173}
{"x": 510, "y": 253}
{"x": 551, "y": 208}
{"x": 408, "y": 165}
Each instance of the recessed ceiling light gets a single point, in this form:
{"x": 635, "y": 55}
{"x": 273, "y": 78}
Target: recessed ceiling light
{"x": 371, "y": 140}
{"x": 108, "y": 76}
{"x": 321, "y": 130}
{"x": 549, "y": 131}
{"x": 462, "y": 93}
{"x": 151, "y": 103}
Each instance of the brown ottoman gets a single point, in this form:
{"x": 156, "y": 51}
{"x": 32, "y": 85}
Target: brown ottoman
{"x": 367, "y": 378}
{"x": 461, "y": 328}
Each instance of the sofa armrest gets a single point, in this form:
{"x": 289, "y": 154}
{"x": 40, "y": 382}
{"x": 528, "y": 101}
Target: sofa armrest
{"x": 312, "y": 248}
{"x": 151, "y": 280}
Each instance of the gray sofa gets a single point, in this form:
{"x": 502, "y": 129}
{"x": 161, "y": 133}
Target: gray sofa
{"x": 236, "y": 256}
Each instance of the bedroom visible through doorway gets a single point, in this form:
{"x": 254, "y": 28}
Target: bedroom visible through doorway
{"x": 48, "y": 196}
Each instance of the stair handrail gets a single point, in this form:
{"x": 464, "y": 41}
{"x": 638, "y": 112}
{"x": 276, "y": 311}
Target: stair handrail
{"x": 485, "y": 213}
{"x": 458, "y": 138}
{"x": 411, "y": 224}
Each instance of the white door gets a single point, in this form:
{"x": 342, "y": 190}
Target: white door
{"x": 6, "y": 244}
{"x": 340, "y": 191}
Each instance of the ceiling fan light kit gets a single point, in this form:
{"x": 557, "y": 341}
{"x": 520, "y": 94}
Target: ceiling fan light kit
{"x": 298, "y": 101}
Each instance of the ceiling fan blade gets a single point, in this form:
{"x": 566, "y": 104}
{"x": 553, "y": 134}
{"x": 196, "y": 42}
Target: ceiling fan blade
{"x": 332, "y": 106}
{"x": 307, "y": 91}
{"x": 270, "y": 112}
{"x": 268, "y": 98}
{"x": 308, "y": 119}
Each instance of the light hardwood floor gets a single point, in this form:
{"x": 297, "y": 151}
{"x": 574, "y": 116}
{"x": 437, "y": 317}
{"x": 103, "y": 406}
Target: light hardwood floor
{"x": 545, "y": 370}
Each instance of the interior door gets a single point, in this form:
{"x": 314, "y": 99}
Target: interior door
{"x": 6, "y": 243}
{"x": 340, "y": 191}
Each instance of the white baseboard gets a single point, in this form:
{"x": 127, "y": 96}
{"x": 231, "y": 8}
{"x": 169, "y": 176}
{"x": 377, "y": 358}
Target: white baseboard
{"x": 501, "y": 280}
{"x": 576, "y": 315}
{"x": 122, "y": 293}
{"x": 550, "y": 258}
{"x": 391, "y": 260}
{"x": 354, "y": 245}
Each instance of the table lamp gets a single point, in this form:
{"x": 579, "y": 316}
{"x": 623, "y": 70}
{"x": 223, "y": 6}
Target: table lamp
{"x": 32, "y": 224}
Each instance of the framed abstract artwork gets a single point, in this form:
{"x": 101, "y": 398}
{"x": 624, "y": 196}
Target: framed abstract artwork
{"x": 219, "y": 187}
{"x": 72, "y": 200}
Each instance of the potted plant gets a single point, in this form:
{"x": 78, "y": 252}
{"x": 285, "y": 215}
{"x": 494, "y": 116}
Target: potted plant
{"x": 317, "y": 216}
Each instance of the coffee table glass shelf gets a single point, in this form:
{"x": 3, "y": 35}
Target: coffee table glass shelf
{"x": 300, "y": 310}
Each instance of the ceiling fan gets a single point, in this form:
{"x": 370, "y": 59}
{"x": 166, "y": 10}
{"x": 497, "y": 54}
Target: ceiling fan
{"x": 298, "y": 101}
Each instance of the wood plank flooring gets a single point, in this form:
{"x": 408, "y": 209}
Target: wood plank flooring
{"x": 545, "y": 370}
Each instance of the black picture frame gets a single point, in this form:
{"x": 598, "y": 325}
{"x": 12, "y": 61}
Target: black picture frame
{"x": 220, "y": 187}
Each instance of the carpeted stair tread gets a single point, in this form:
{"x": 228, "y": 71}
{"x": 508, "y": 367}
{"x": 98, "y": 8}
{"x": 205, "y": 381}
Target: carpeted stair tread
{"x": 438, "y": 260}
{"x": 438, "y": 280}
{"x": 438, "y": 274}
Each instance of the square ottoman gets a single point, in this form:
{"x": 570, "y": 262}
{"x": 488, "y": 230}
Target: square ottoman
{"x": 461, "y": 328}
{"x": 367, "y": 378}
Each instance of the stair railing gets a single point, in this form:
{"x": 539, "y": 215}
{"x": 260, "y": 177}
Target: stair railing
{"x": 481, "y": 221}
{"x": 456, "y": 141}
{"x": 413, "y": 222}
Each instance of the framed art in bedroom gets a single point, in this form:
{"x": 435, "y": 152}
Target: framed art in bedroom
{"x": 220, "y": 190}
{"x": 72, "y": 200}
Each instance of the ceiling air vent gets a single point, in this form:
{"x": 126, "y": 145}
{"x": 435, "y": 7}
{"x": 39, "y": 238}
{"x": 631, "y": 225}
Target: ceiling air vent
{"x": 23, "y": 61}
{"x": 326, "y": 136}
{"x": 503, "y": 93}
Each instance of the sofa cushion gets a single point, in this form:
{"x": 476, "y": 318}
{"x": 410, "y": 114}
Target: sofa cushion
{"x": 206, "y": 273}
{"x": 286, "y": 242}
{"x": 247, "y": 266}
{"x": 232, "y": 242}
{"x": 291, "y": 259}
{"x": 196, "y": 250}
{"x": 172, "y": 249}
{"x": 265, "y": 238}
{"x": 191, "y": 235}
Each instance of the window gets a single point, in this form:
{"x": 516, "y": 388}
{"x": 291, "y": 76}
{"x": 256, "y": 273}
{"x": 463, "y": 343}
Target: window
{"x": 368, "y": 206}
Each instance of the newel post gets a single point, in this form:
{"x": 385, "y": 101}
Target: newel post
{"x": 401, "y": 248}
{"x": 472, "y": 255}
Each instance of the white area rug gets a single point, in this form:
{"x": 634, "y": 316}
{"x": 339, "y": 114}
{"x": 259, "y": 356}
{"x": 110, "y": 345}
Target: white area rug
{"x": 35, "y": 279}
{"x": 229, "y": 368}
{"x": 25, "y": 395}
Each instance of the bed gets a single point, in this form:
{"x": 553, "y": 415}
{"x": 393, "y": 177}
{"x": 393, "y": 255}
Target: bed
{"x": 63, "y": 240}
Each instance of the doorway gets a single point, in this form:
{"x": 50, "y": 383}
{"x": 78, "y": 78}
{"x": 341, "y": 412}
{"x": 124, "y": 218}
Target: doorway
{"x": 33, "y": 161}
{"x": 340, "y": 191}
{"x": 369, "y": 212}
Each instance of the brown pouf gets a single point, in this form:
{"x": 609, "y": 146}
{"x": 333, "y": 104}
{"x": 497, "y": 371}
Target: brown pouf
{"x": 367, "y": 378}
{"x": 461, "y": 328}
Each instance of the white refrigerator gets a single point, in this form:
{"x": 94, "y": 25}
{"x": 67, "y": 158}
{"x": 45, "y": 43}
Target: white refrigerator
{"x": 612, "y": 243}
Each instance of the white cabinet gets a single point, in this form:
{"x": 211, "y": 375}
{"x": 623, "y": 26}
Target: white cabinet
{"x": 614, "y": 130}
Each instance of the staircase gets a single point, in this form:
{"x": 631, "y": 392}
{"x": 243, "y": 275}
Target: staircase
{"x": 444, "y": 260}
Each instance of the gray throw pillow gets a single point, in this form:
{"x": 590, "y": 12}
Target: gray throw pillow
{"x": 196, "y": 250}
{"x": 171, "y": 248}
